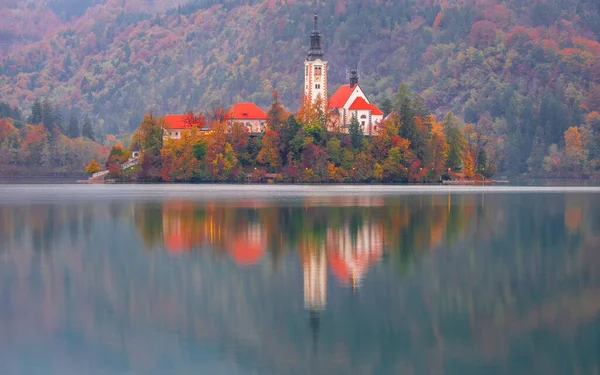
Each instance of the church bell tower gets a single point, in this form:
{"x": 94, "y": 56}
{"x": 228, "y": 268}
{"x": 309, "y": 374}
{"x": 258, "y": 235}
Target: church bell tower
{"x": 315, "y": 69}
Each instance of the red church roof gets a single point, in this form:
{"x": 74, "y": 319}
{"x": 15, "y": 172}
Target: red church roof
{"x": 176, "y": 122}
{"x": 361, "y": 104}
{"x": 246, "y": 110}
{"x": 375, "y": 110}
{"x": 341, "y": 96}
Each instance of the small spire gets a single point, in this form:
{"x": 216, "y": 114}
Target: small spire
{"x": 353, "y": 77}
{"x": 315, "y": 42}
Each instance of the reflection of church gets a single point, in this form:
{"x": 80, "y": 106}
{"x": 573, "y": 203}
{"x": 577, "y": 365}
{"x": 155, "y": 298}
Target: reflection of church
{"x": 350, "y": 253}
{"x": 315, "y": 281}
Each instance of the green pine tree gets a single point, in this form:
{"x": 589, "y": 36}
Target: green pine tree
{"x": 36, "y": 113}
{"x": 356, "y": 132}
{"x": 48, "y": 114}
{"x": 456, "y": 142}
{"x": 73, "y": 130}
{"x": 87, "y": 130}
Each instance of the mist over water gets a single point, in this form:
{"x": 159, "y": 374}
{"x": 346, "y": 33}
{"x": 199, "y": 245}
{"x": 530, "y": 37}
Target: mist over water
{"x": 226, "y": 279}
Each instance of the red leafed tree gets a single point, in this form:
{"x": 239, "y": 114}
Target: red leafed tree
{"x": 219, "y": 114}
{"x": 499, "y": 15}
{"x": 195, "y": 120}
{"x": 114, "y": 169}
{"x": 483, "y": 33}
{"x": 592, "y": 99}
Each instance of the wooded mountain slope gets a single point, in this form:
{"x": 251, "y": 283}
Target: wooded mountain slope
{"x": 527, "y": 70}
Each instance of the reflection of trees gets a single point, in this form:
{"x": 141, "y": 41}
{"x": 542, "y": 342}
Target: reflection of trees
{"x": 408, "y": 226}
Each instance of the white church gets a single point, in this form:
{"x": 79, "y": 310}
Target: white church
{"x": 348, "y": 101}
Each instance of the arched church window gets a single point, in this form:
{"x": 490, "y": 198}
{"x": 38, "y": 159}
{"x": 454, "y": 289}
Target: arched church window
{"x": 363, "y": 116}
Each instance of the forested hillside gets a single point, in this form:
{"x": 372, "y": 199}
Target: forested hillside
{"x": 522, "y": 72}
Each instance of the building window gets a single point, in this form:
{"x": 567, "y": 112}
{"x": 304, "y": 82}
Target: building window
{"x": 318, "y": 71}
{"x": 363, "y": 123}
{"x": 317, "y": 86}
{"x": 306, "y": 74}
{"x": 363, "y": 116}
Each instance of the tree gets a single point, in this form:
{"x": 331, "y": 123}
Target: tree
{"x": 334, "y": 150}
{"x": 192, "y": 120}
{"x": 277, "y": 116}
{"x": 200, "y": 149}
{"x": 114, "y": 170}
{"x": 553, "y": 162}
{"x": 93, "y": 167}
{"x": 468, "y": 164}
{"x": 438, "y": 146}
{"x": 36, "y": 113}
{"x": 387, "y": 107}
{"x": 86, "y": 130}
{"x": 456, "y": 142}
{"x": 356, "y": 133}
{"x": 73, "y": 129}
{"x": 574, "y": 149}
{"x": 48, "y": 115}
{"x": 483, "y": 33}
{"x": 225, "y": 164}
{"x": 149, "y": 136}
{"x": 408, "y": 108}
{"x": 269, "y": 154}
{"x": 538, "y": 151}
{"x": 179, "y": 160}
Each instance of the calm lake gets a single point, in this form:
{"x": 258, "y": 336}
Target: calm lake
{"x": 224, "y": 279}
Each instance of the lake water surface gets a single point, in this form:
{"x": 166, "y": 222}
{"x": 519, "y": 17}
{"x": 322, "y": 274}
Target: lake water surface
{"x": 224, "y": 279}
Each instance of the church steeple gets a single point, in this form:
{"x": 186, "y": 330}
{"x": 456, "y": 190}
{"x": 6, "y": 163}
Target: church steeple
{"x": 315, "y": 70}
{"x": 315, "y": 42}
{"x": 353, "y": 78}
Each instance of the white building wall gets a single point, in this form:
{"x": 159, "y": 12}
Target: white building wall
{"x": 363, "y": 117}
{"x": 172, "y": 133}
{"x": 254, "y": 126}
{"x": 315, "y": 84}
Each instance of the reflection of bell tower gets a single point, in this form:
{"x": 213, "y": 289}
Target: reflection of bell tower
{"x": 315, "y": 281}
{"x": 315, "y": 69}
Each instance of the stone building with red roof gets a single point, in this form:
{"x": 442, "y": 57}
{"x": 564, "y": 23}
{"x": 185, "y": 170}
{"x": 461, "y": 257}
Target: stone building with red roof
{"x": 248, "y": 114}
{"x": 176, "y": 124}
